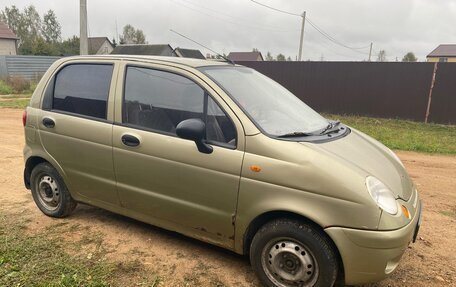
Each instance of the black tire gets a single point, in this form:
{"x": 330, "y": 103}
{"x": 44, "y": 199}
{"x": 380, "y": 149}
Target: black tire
{"x": 50, "y": 192}
{"x": 279, "y": 243}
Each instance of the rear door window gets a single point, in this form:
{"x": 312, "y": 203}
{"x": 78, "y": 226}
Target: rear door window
{"x": 158, "y": 100}
{"x": 83, "y": 89}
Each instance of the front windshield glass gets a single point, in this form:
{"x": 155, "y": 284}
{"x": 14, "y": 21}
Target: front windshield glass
{"x": 273, "y": 108}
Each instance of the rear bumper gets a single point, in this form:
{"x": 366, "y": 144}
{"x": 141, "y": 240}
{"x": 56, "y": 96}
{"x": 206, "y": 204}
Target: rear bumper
{"x": 370, "y": 256}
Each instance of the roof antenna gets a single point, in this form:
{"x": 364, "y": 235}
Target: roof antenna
{"x": 223, "y": 57}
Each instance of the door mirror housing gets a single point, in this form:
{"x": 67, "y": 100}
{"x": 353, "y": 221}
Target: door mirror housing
{"x": 195, "y": 130}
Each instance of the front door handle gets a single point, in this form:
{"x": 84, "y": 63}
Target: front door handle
{"x": 130, "y": 140}
{"x": 48, "y": 122}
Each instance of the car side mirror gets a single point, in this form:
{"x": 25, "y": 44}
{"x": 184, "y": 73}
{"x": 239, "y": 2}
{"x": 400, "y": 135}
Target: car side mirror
{"x": 195, "y": 130}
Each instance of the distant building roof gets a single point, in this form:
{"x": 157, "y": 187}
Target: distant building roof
{"x": 6, "y": 33}
{"x": 445, "y": 50}
{"x": 143, "y": 49}
{"x": 188, "y": 53}
{"x": 95, "y": 43}
{"x": 245, "y": 56}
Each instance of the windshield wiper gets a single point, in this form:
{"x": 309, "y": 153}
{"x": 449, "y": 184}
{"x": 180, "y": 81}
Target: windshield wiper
{"x": 331, "y": 126}
{"x": 296, "y": 134}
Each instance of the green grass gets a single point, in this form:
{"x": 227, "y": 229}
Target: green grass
{"x": 16, "y": 96}
{"x": 14, "y": 103}
{"x": 42, "y": 258}
{"x": 25, "y": 87}
{"x": 405, "y": 135}
{"x": 31, "y": 89}
{"x": 5, "y": 89}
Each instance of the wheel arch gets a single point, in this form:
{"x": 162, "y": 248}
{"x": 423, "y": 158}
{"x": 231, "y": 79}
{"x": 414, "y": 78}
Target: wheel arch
{"x": 29, "y": 166}
{"x": 268, "y": 216}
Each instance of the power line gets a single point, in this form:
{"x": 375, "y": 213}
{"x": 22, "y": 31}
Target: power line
{"x": 321, "y": 31}
{"x": 303, "y": 16}
{"x": 332, "y": 39}
{"x": 329, "y": 48}
{"x": 226, "y": 20}
{"x": 316, "y": 27}
{"x": 233, "y": 17}
{"x": 275, "y": 9}
{"x": 311, "y": 23}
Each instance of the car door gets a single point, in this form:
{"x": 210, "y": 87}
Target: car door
{"x": 164, "y": 179}
{"x": 76, "y": 129}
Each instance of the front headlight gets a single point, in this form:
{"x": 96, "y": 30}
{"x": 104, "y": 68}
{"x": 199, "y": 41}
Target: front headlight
{"x": 381, "y": 195}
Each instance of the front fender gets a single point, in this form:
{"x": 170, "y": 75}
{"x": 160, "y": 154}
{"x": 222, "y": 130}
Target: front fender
{"x": 257, "y": 198}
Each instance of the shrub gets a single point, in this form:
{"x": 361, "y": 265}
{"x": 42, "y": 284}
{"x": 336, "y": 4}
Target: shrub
{"x": 5, "y": 89}
{"x": 32, "y": 88}
{"x": 19, "y": 84}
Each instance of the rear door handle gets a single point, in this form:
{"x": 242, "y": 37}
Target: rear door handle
{"x": 130, "y": 140}
{"x": 48, "y": 122}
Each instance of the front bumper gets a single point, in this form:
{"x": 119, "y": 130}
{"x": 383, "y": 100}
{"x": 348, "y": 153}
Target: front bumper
{"x": 369, "y": 256}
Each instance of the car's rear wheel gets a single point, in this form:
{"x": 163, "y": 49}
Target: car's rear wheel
{"x": 50, "y": 192}
{"x": 289, "y": 253}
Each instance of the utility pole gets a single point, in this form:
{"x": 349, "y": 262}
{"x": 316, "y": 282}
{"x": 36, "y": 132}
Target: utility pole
{"x": 117, "y": 34}
{"x": 83, "y": 41}
{"x": 302, "y": 35}
{"x": 370, "y": 52}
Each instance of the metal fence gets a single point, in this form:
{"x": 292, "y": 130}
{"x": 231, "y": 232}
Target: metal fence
{"x": 27, "y": 67}
{"x": 443, "y": 97}
{"x": 390, "y": 90}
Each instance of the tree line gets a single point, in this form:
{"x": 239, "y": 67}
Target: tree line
{"x": 269, "y": 57}
{"x": 409, "y": 57}
{"x": 42, "y": 34}
{"x": 381, "y": 57}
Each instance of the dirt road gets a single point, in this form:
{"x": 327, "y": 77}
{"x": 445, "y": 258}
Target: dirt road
{"x": 181, "y": 261}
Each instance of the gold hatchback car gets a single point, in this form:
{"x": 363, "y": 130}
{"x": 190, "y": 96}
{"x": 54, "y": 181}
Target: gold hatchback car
{"x": 220, "y": 152}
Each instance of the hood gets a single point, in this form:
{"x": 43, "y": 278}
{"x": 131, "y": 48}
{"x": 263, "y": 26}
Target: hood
{"x": 369, "y": 157}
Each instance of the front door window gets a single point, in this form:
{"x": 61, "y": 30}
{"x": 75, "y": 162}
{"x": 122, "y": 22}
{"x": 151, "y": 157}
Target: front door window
{"x": 158, "y": 101}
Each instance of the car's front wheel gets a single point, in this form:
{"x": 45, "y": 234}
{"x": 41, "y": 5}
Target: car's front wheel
{"x": 50, "y": 192}
{"x": 289, "y": 253}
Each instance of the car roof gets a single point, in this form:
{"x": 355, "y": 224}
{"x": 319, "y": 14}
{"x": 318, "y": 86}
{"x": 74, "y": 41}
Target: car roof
{"x": 195, "y": 63}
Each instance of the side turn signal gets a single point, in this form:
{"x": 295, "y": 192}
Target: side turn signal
{"x": 255, "y": 168}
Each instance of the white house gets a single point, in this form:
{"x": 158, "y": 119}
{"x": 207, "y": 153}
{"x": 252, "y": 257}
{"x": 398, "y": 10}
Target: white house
{"x": 8, "y": 40}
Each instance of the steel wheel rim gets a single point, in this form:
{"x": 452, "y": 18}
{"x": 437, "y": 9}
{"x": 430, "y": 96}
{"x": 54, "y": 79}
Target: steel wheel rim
{"x": 288, "y": 263}
{"x": 48, "y": 192}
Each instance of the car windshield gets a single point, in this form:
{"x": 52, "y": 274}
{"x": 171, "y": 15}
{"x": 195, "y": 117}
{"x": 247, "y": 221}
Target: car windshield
{"x": 274, "y": 109}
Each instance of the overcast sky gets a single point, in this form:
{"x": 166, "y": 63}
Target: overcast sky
{"x": 396, "y": 26}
